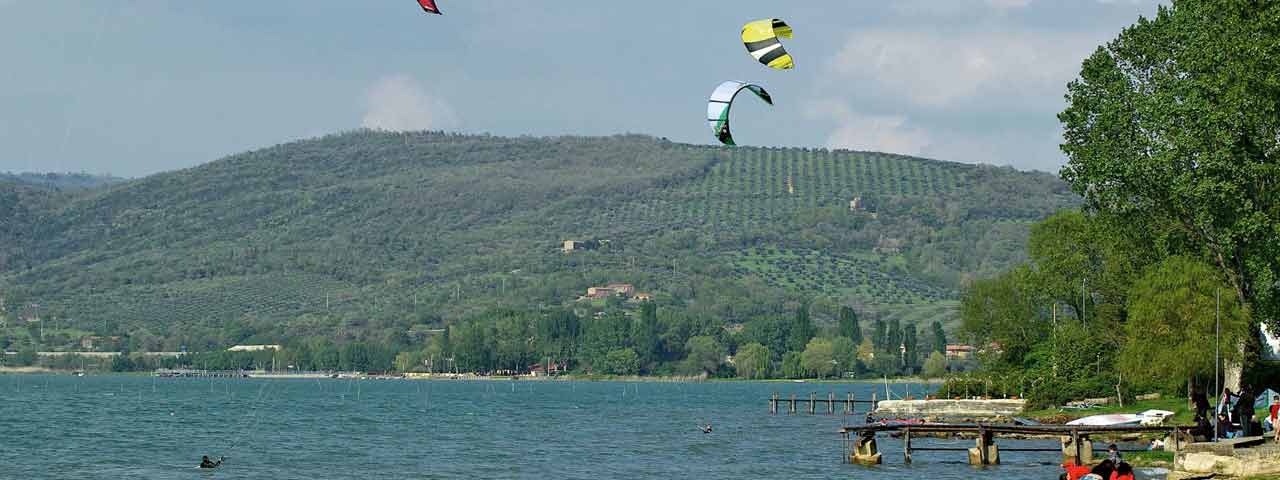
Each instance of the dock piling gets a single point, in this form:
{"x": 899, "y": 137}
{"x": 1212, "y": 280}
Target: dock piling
{"x": 865, "y": 451}
{"x": 831, "y": 403}
{"x": 906, "y": 445}
{"x": 986, "y": 452}
{"x": 1077, "y": 449}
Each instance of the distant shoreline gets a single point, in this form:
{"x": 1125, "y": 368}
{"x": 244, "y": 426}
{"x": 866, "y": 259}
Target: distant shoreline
{"x": 563, "y": 378}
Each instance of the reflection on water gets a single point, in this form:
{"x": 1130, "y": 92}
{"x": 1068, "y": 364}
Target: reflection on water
{"x": 141, "y": 427}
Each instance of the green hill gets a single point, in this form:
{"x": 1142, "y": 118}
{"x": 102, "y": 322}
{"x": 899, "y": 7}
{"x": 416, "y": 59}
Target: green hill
{"x": 70, "y": 182}
{"x": 363, "y": 233}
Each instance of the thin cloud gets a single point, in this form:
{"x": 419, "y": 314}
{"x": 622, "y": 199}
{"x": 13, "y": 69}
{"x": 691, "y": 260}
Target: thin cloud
{"x": 399, "y": 103}
{"x": 937, "y": 70}
{"x": 1008, "y": 3}
{"x": 858, "y": 131}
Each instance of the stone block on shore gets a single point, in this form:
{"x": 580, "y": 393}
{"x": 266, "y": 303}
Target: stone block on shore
{"x": 950, "y": 408}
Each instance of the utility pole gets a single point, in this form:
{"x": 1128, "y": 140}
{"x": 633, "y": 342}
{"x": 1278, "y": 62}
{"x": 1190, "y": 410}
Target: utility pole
{"x": 1217, "y": 334}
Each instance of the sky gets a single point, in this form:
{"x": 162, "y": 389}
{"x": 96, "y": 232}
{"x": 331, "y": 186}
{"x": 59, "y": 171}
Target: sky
{"x": 132, "y": 88}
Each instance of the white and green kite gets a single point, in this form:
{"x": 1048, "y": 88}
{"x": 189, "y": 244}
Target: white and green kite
{"x": 721, "y": 100}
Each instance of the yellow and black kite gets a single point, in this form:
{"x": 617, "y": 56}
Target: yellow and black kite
{"x": 761, "y": 39}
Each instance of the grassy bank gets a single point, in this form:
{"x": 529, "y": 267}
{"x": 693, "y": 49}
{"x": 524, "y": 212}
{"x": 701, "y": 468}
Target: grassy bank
{"x": 1150, "y": 459}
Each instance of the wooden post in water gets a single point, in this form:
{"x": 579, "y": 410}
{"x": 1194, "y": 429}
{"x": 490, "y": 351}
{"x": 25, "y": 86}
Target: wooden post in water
{"x": 793, "y": 405}
{"x": 865, "y": 451}
{"x": 813, "y": 403}
{"x": 985, "y": 453}
{"x": 1077, "y": 449}
{"x": 844, "y": 449}
{"x": 773, "y": 404}
{"x": 848, "y": 403}
{"x": 831, "y": 403}
{"x": 1075, "y": 439}
{"x": 906, "y": 445}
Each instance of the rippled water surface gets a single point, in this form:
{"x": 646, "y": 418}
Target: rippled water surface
{"x": 61, "y": 427}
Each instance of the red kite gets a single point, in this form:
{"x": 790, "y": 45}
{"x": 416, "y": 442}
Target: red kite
{"x": 429, "y": 6}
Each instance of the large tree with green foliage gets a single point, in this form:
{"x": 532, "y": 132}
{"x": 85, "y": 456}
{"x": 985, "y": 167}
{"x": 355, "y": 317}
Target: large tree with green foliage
{"x": 938, "y": 342}
{"x": 845, "y": 353}
{"x": 935, "y": 366}
{"x": 1081, "y": 262}
{"x": 705, "y": 355}
{"x": 1173, "y": 132}
{"x": 752, "y": 361}
{"x": 848, "y": 325}
{"x": 623, "y": 361}
{"x": 603, "y": 335}
{"x": 817, "y": 358}
{"x": 1173, "y": 323}
{"x": 644, "y": 335}
{"x": 879, "y": 335}
{"x": 792, "y": 365}
{"x": 1005, "y": 310}
{"x": 911, "y": 347}
{"x": 801, "y": 330}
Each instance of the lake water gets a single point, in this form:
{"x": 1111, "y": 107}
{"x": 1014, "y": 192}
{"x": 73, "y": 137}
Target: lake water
{"x": 63, "y": 427}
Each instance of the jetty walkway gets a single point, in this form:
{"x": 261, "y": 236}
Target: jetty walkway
{"x": 849, "y": 402}
{"x": 1074, "y": 443}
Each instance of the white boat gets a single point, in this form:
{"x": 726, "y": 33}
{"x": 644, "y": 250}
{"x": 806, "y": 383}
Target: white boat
{"x": 1152, "y": 418}
{"x": 1109, "y": 420}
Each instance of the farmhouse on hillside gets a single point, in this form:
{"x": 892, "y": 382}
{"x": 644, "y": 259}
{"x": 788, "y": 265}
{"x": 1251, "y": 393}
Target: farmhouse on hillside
{"x": 625, "y": 290}
{"x": 959, "y": 351}
{"x": 570, "y": 246}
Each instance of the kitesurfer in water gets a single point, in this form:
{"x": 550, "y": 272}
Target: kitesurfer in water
{"x": 206, "y": 463}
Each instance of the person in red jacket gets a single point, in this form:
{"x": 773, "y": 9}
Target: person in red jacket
{"x": 1073, "y": 471}
{"x": 1123, "y": 472}
{"x": 1275, "y": 417}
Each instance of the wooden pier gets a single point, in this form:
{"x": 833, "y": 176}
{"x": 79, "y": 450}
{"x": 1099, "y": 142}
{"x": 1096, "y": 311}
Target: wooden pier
{"x": 849, "y": 403}
{"x": 1075, "y": 446}
{"x": 193, "y": 373}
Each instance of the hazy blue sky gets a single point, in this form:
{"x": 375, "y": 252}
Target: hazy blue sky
{"x": 136, "y": 87}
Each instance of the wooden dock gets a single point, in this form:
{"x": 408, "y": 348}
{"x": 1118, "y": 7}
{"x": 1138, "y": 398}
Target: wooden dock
{"x": 849, "y": 403}
{"x": 194, "y": 373}
{"x": 1075, "y": 446}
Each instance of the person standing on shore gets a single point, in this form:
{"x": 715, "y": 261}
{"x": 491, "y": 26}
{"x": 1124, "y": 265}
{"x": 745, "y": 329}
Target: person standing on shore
{"x": 1225, "y": 402}
{"x": 1200, "y": 398}
{"x": 1244, "y": 411}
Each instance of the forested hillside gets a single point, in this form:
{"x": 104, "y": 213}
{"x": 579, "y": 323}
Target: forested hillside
{"x": 368, "y": 235}
{"x": 69, "y": 182}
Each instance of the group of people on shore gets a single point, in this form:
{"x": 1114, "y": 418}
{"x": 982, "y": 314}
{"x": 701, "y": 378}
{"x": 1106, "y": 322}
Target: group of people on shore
{"x": 1232, "y": 409}
{"x": 1237, "y": 409}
